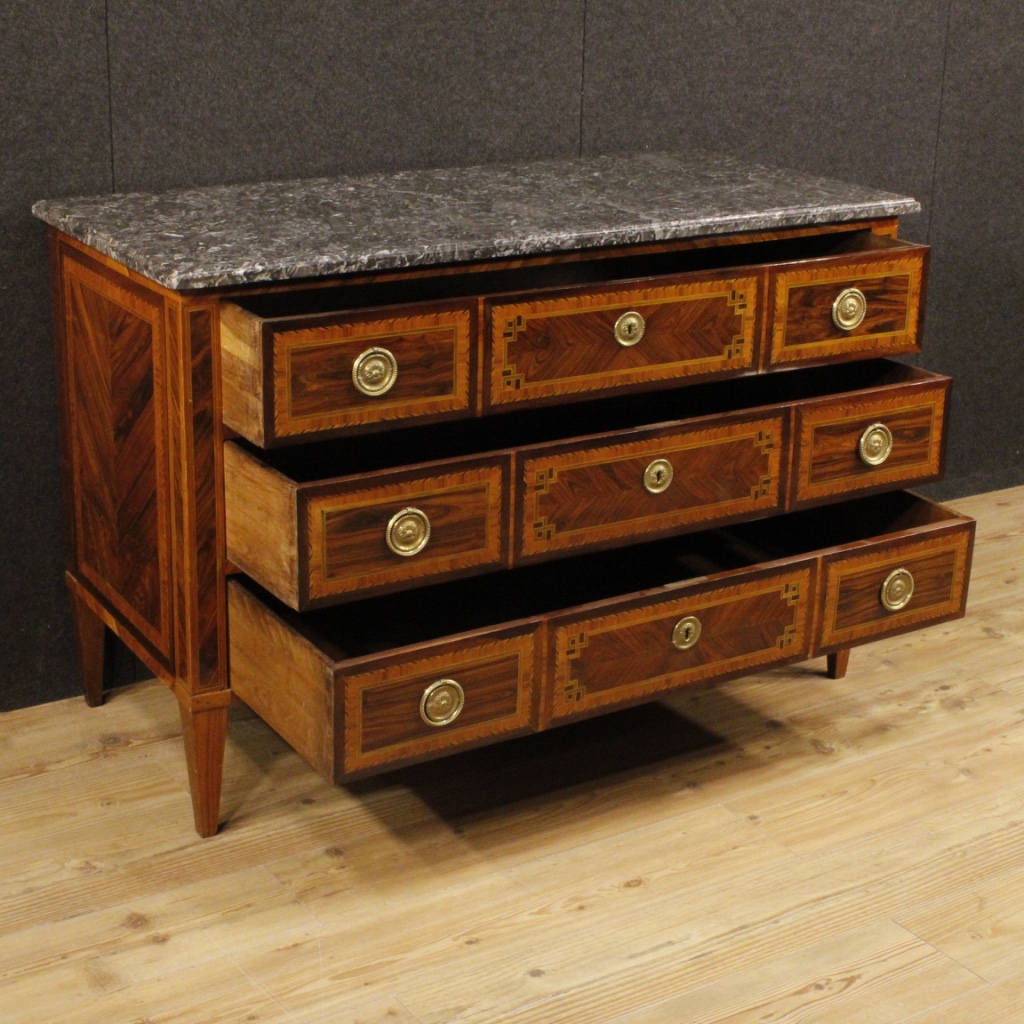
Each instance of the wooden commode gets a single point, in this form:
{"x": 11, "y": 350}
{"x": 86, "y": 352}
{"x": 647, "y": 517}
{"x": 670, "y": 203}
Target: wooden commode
{"x": 413, "y": 462}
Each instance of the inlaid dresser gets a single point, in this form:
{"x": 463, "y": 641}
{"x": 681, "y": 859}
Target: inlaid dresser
{"x": 413, "y": 462}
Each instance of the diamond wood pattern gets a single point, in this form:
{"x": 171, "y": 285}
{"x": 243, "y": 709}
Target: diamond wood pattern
{"x": 596, "y": 493}
{"x": 628, "y": 654}
{"x": 549, "y": 347}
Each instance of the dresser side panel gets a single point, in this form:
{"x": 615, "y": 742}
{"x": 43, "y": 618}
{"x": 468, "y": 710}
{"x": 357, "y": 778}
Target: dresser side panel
{"x": 116, "y": 422}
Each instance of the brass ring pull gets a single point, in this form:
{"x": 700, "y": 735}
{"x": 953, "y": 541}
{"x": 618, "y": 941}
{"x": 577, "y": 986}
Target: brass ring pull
{"x": 658, "y": 476}
{"x": 875, "y": 444}
{"x": 442, "y": 702}
{"x": 629, "y": 328}
{"x": 374, "y": 372}
{"x": 897, "y": 590}
{"x": 849, "y": 309}
{"x": 408, "y": 532}
{"x": 686, "y": 633}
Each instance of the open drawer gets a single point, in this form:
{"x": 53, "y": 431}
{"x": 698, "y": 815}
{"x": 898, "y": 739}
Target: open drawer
{"x": 364, "y": 357}
{"x": 413, "y": 675}
{"x": 335, "y": 521}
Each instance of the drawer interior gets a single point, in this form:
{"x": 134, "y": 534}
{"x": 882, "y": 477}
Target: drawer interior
{"x": 411, "y": 617}
{"x": 851, "y": 522}
{"x": 408, "y": 446}
{"x": 448, "y": 283}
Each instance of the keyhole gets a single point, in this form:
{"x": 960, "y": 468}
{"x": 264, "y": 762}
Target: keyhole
{"x": 658, "y": 476}
{"x": 629, "y": 328}
{"x": 686, "y": 632}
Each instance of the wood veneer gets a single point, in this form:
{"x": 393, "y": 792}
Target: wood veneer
{"x": 155, "y": 382}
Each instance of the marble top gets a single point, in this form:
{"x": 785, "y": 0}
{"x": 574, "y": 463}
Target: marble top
{"x": 233, "y": 234}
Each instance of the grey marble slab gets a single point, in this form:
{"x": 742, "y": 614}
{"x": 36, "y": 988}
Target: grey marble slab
{"x": 233, "y": 234}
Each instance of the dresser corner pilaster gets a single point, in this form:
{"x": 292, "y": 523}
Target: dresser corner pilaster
{"x": 139, "y": 412}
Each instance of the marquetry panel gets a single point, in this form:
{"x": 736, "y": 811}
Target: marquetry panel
{"x": 348, "y": 526}
{"x": 382, "y": 704}
{"x": 802, "y": 326}
{"x": 628, "y": 654}
{"x": 853, "y": 607}
{"x": 549, "y": 347}
{"x": 597, "y": 493}
{"x": 828, "y": 434}
{"x": 117, "y": 425}
{"x": 314, "y": 389}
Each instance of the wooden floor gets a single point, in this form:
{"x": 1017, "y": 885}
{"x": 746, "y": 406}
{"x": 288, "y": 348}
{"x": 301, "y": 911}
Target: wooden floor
{"x": 781, "y": 848}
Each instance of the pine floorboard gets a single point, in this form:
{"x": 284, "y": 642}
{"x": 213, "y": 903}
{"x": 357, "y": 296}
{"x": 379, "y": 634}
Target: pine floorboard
{"x": 783, "y": 848}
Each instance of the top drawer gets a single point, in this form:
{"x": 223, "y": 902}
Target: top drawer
{"x": 289, "y": 378}
{"x": 305, "y": 362}
{"x": 848, "y": 305}
{"x": 550, "y": 346}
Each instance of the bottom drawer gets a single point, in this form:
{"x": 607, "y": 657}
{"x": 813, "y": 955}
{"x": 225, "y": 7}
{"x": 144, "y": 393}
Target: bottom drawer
{"x": 414, "y": 675}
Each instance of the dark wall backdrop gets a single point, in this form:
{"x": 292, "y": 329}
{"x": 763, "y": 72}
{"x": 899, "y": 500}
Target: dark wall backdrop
{"x": 924, "y": 97}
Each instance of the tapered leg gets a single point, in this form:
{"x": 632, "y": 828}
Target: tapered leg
{"x": 95, "y": 644}
{"x": 205, "y": 735}
{"x": 838, "y": 664}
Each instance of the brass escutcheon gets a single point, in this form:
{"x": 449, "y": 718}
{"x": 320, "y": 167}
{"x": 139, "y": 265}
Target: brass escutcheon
{"x": 686, "y": 632}
{"x": 658, "y": 476}
{"x": 875, "y": 444}
{"x": 849, "y": 309}
{"x": 897, "y": 590}
{"x": 408, "y": 532}
{"x": 374, "y": 372}
{"x": 629, "y": 328}
{"x": 442, "y": 702}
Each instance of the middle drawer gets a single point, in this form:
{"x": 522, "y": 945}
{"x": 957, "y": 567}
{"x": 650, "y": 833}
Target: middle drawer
{"x": 323, "y": 523}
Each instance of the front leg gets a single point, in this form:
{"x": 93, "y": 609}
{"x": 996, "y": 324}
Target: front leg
{"x": 838, "y": 663}
{"x": 204, "y": 730}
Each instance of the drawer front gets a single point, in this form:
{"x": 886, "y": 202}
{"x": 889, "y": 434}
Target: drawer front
{"x": 354, "y": 371}
{"x": 853, "y": 443}
{"x": 831, "y": 309}
{"x": 412, "y": 529}
{"x": 544, "y": 348}
{"x": 896, "y": 587}
{"x": 616, "y": 490}
{"x": 630, "y": 653}
{"x": 416, "y": 706}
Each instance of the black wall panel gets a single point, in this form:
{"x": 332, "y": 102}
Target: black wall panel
{"x": 54, "y": 139}
{"x": 849, "y": 90}
{"x": 924, "y": 97}
{"x": 257, "y": 89}
{"x": 976, "y": 294}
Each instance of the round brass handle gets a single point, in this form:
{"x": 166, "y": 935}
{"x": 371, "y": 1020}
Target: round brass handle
{"x": 875, "y": 444}
{"x": 658, "y": 476}
{"x": 629, "y": 328}
{"x": 686, "y": 632}
{"x": 408, "y": 532}
{"x": 849, "y": 309}
{"x": 897, "y": 590}
{"x": 374, "y": 372}
{"x": 442, "y": 702}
